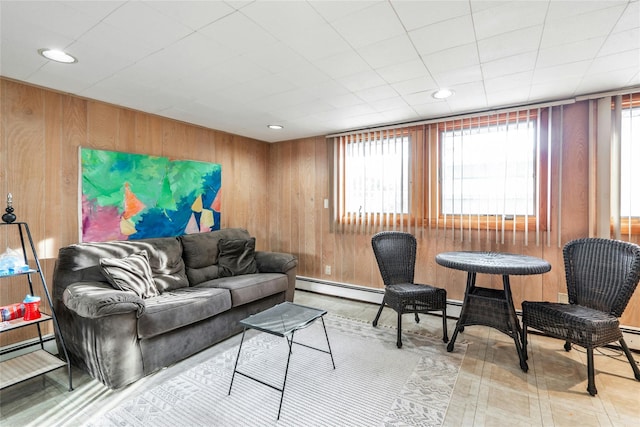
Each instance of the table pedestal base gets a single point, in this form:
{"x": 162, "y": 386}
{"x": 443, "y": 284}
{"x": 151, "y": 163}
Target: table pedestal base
{"x": 493, "y": 308}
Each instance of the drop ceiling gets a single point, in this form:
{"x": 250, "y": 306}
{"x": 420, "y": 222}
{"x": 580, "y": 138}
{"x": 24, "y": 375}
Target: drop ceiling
{"x": 321, "y": 67}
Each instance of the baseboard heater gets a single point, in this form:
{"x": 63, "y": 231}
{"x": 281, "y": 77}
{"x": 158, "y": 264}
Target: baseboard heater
{"x": 372, "y": 295}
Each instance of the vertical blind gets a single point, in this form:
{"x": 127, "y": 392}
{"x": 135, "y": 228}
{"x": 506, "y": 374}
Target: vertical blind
{"x": 483, "y": 176}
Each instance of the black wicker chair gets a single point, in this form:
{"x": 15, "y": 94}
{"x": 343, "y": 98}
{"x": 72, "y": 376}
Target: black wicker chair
{"x": 601, "y": 275}
{"x": 396, "y": 256}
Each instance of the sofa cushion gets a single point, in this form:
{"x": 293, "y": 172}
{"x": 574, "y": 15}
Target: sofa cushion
{"x": 237, "y": 256}
{"x": 249, "y": 287}
{"x": 81, "y": 262}
{"x": 131, "y": 273}
{"x": 200, "y": 253}
{"x": 180, "y": 307}
{"x": 165, "y": 259}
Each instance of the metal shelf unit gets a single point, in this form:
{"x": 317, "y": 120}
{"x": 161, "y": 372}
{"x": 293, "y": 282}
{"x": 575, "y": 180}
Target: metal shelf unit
{"x": 37, "y": 362}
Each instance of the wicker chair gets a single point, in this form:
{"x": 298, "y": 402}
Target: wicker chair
{"x": 601, "y": 276}
{"x": 396, "y": 256}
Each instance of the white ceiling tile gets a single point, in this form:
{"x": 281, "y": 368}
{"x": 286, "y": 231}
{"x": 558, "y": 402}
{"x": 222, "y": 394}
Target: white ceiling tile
{"x": 403, "y": 71}
{"x": 509, "y": 44}
{"x": 56, "y": 17}
{"x": 429, "y": 110}
{"x": 106, "y": 38}
{"x": 17, "y": 31}
{"x": 574, "y": 70}
{"x": 553, "y": 89}
{"x": 299, "y": 15}
{"x": 508, "y": 82}
{"x": 399, "y": 115}
{"x": 317, "y": 43}
{"x": 609, "y": 80}
{"x": 388, "y": 52}
{"x": 193, "y": 14}
{"x": 342, "y": 64}
{"x": 616, "y": 61}
{"x": 569, "y": 52}
{"x": 304, "y": 76}
{"x": 630, "y": 19}
{"x": 437, "y": 37}
{"x": 94, "y": 10}
{"x": 360, "y": 81}
{"x": 568, "y": 9}
{"x": 417, "y": 85}
{"x": 417, "y": 14}
{"x": 389, "y": 104}
{"x": 277, "y": 57}
{"x": 345, "y": 100}
{"x": 504, "y": 98}
{"x": 468, "y": 96}
{"x": 584, "y": 26}
{"x": 460, "y": 76}
{"x": 452, "y": 59}
{"x": 147, "y": 26}
{"x": 621, "y": 41}
{"x": 17, "y": 62}
{"x": 373, "y": 24}
{"x": 333, "y": 10}
{"x": 377, "y": 93}
{"x": 509, "y": 65}
{"x": 419, "y": 98}
{"x": 239, "y": 32}
{"x": 508, "y": 17}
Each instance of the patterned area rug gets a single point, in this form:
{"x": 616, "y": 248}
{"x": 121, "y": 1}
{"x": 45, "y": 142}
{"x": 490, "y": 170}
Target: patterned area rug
{"x": 374, "y": 383}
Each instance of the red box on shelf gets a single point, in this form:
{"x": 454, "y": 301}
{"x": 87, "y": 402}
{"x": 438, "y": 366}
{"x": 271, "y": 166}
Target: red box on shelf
{"x": 12, "y": 311}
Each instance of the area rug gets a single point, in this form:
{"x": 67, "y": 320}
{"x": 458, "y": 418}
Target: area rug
{"x": 374, "y": 383}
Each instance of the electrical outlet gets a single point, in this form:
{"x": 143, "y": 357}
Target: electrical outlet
{"x": 327, "y": 270}
{"x": 326, "y": 203}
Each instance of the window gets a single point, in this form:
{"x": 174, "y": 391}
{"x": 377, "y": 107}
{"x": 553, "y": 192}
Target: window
{"x": 628, "y": 222}
{"x": 371, "y": 178}
{"x": 376, "y": 176}
{"x": 483, "y": 172}
{"x": 630, "y": 159}
{"x": 492, "y": 172}
{"x": 489, "y": 170}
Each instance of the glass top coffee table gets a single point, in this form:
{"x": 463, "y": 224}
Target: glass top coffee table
{"x": 282, "y": 320}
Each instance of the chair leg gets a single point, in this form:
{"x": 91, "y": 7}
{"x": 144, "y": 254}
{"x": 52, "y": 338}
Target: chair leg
{"x": 591, "y": 383}
{"x": 634, "y": 364}
{"x": 417, "y": 318}
{"x": 525, "y": 341}
{"x": 375, "y": 321}
{"x": 567, "y": 346}
{"x": 399, "y": 342}
{"x": 445, "y": 335}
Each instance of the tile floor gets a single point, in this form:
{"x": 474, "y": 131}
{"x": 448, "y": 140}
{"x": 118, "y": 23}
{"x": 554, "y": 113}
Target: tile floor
{"x": 490, "y": 390}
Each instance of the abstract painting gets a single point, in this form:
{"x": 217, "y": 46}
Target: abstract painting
{"x": 135, "y": 196}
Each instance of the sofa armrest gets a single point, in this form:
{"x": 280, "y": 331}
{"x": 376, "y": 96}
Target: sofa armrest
{"x": 97, "y": 299}
{"x": 275, "y": 262}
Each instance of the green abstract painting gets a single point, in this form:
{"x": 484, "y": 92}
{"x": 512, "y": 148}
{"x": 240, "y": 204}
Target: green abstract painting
{"x": 135, "y": 196}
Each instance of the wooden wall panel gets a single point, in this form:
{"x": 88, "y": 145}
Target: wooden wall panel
{"x": 350, "y": 255}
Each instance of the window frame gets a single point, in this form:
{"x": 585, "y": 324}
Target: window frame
{"x": 491, "y": 222}
{"x": 628, "y": 225}
{"x": 377, "y": 219}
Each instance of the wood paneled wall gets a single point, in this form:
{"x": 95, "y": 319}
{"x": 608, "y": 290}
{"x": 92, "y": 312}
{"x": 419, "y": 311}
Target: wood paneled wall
{"x": 40, "y": 135}
{"x": 276, "y": 191}
{"x": 300, "y": 223}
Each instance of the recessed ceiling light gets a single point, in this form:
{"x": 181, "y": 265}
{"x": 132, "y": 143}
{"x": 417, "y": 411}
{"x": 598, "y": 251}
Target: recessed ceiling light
{"x": 57, "y": 55}
{"x": 442, "y": 93}
{"x": 276, "y": 127}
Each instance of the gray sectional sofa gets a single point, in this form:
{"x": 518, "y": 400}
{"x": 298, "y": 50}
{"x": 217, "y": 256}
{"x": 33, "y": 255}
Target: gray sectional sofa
{"x": 203, "y": 290}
